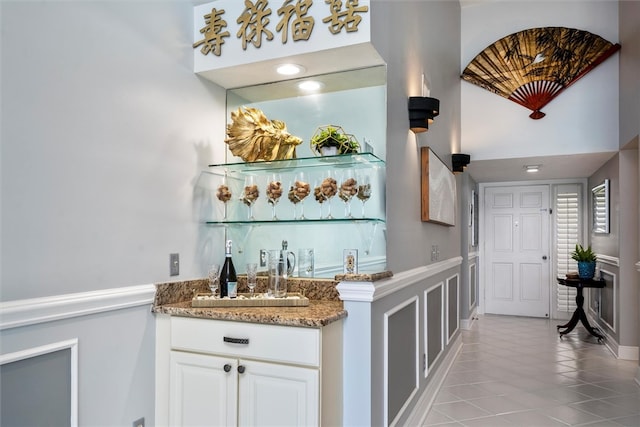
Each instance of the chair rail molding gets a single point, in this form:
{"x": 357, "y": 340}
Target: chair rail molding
{"x": 31, "y": 311}
{"x": 372, "y": 291}
{"x": 607, "y": 259}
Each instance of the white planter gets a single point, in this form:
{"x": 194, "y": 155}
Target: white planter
{"x": 329, "y": 151}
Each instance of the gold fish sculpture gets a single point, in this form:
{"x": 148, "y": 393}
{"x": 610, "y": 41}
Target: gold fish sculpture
{"x": 252, "y": 137}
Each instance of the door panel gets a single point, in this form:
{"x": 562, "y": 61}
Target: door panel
{"x": 278, "y": 395}
{"x": 503, "y": 282}
{"x": 530, "y": 278}
{"x": 517, "y": 250}
{"x": 201, "y": 391}
{"x": 503, "y": 238}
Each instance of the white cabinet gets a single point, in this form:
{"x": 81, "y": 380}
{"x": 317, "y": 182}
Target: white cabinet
{"x": 203, "y": 390}
{"x": 272, "y": 394}
{"x": 225, "y": 373}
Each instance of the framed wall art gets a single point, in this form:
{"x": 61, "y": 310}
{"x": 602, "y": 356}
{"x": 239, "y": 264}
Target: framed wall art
{"x": 600, "y": 208}
{"x": 438, "y": 189}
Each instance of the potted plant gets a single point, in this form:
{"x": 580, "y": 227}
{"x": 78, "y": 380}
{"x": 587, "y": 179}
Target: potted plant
{"x": 586, "y": 259}
{"x": 332, "y": 140}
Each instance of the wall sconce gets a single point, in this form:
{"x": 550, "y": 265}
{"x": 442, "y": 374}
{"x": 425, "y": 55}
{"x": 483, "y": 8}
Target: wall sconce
{"x": 459, "y": 162}
{"x": 422, "y": 110}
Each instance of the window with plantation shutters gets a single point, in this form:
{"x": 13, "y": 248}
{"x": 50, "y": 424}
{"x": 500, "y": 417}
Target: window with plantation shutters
{"x": 568, "y": 223}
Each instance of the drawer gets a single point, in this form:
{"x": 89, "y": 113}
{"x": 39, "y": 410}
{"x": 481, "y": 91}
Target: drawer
{"x": 275, "y": 343}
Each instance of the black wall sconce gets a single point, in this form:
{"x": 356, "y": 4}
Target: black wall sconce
{"x": 422, "y": 110}
{"x": 459, "y": 162}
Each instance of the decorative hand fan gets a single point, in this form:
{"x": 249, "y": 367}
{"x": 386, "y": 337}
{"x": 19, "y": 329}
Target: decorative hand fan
{"x": 533, "y": 66}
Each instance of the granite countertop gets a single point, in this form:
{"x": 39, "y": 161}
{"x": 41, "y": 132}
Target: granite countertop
{"x": 317, "y": 314}
{"x": 324, "y": 305}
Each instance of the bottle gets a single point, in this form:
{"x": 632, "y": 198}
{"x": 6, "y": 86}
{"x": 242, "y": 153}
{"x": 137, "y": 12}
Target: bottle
{"x": 228, "y": 278}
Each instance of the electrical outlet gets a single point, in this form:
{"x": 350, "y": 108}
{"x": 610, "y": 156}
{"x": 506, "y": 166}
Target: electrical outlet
{"x": 174, "y": 264}
{"x": 434, "y": 253}
{"x": 263, "y": 257}
{"x": 139, "y": 422}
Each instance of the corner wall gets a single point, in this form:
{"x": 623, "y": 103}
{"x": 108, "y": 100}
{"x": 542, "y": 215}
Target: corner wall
{"x": 416, "y": 38}
{"x": 105, "y": 129}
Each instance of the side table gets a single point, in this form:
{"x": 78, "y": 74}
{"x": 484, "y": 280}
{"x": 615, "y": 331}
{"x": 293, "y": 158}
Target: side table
{"x": 579, "y": 314}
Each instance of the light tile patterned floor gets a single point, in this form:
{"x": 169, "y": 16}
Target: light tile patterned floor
{"x": 516, "y": 371}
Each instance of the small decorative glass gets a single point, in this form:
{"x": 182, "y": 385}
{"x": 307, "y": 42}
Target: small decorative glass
{"x": 223, "y": 193}
{"x": 305, "y": 262}
{"x": 252, "y": 277}
{"x": 274, "y": 192}
{"x": 250, "y": 194}
{"x": 364, "y": 189}
{"x": 214, "y": 278}
{"x": 328, "y": 188}
{"x": 348, "y": 189}
{"x": 299, "y": 191}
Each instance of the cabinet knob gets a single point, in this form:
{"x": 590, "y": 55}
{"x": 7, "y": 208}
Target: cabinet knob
{"x": 227, "y": 367}
{"x": 241, "y": 369}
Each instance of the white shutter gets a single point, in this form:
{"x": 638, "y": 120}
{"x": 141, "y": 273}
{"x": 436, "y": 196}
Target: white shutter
{"x": 568, "y": 220}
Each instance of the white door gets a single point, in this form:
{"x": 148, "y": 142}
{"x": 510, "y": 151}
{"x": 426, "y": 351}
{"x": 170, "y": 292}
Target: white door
{"x": 203, "y": 390}
{"x": 278, "y": 395}
{"x": 517, "y": 250}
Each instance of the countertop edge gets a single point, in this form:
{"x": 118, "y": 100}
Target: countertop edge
{"x": 268, "y": 319}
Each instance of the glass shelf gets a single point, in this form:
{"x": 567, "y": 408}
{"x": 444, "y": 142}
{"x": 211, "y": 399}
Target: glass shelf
{"x": 298, "y": 221}
{"x": 356, "y": 161}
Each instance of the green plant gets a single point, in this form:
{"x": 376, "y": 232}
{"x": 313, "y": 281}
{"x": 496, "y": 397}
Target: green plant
{"x": 334, "y": 136}
{"x": 581, "y": 254}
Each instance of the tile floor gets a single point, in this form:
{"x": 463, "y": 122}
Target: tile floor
{"x": 516, "y": 371}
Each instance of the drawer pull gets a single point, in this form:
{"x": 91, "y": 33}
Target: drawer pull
{"x": 227, "y": 368}
{"x": 241, "y": 369}
{"x": 236, "y": 340}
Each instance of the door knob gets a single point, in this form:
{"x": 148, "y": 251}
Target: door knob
{"x": 544, "y": 257}
{"x": 227, "y": 367}
{"x": 241, "y": 369}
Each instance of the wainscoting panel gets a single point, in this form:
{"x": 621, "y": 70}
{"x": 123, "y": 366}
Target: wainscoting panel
{"x": 402, "y": 361}
{"x": 40, "y": 386}
{"x": 434, "y": 323}
{"x": 472, "y": 285}
{"x": 608, "y": 296}
{"x": 452, "y": 306}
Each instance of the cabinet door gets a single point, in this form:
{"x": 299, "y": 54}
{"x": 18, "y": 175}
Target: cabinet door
{"x": 278, "y": 395}
{"x": 201, "y": 392}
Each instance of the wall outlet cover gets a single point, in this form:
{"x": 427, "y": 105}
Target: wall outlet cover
{"x": 174, "y": 264}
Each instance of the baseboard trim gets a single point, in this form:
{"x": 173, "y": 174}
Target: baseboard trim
{"x": 32, "y": 311}
{"x": 418, "y": 415}
{"x": 626, "y": 352}
{"x": 467, "y": 324}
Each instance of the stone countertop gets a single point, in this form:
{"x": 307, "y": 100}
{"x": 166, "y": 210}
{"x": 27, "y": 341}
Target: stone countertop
{"x": 324, "y": 306}
{"x": 317, "y": 314}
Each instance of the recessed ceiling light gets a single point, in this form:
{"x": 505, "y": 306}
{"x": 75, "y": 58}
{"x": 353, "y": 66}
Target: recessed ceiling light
{"x": 289, "y": 69}
{"x": 310, "y": 85}
{"x": 532, "y": 168}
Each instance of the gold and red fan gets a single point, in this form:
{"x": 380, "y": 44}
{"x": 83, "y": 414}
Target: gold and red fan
{"x": 532, "y": 67}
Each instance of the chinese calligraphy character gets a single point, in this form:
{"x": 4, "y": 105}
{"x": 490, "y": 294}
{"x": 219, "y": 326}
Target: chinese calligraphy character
{"x": 301, "y": 26}
{"x": 254, "y": 21}
{"x": 213, "y": 37}
{"x": 344, "y": 19}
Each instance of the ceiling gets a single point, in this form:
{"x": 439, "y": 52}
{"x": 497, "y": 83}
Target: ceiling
{"x": 551, "y": 167}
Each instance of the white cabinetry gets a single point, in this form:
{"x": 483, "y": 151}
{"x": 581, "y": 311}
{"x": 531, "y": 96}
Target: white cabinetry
{"x": 202, "y": 391}
{"x": 225, "y": 373}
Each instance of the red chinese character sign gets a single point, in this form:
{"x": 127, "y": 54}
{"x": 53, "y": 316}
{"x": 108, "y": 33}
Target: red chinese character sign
{"x": 229, "y": 33}
{"x": 533, "y": 66}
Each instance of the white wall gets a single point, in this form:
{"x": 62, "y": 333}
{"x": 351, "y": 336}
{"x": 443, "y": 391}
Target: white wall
{"x": 582, "y": 119}
{"x": 105, "y": 130}
{"x": 415, "y": 38}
